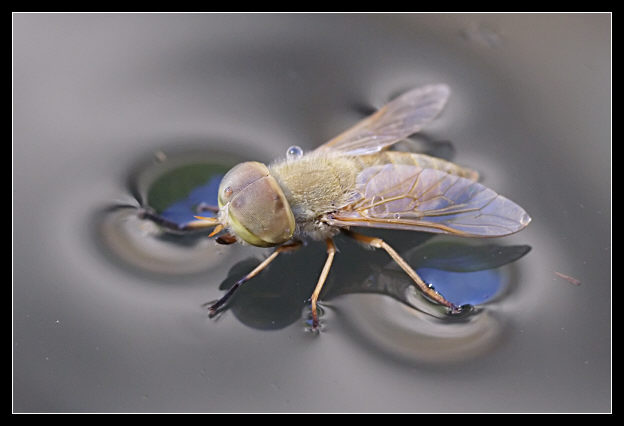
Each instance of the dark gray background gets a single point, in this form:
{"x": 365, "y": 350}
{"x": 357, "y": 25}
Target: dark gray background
{"x": 93, "y": 94}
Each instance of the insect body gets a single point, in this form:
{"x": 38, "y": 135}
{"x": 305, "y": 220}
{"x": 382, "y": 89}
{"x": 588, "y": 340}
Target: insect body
{"x": 354, "y": 181}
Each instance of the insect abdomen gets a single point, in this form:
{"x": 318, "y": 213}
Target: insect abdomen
{"x": 421, "y": 160}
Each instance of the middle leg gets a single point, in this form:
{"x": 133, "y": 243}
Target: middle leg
{"x": 331, "y": 251}
{"x": 214, "y": 308}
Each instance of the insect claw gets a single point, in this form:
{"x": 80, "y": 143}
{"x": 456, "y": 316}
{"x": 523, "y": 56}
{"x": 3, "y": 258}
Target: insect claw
{"x": 313, "y": 326}
{"x": 216, "y": 316}
{"x": 208, "y": 305}
{"x": 213, "y": 308}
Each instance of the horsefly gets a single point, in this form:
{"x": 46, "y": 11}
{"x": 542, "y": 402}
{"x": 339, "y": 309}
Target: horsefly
{"x": 354, "y": 181}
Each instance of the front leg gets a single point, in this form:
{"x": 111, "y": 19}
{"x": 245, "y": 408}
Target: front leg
{"x": 215, "y": 308}
{"x": 201, "y": 223}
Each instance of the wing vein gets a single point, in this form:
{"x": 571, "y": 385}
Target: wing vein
{"x": 435, "y": 201}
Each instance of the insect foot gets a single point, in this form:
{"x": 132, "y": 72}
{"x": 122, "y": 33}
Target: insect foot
{"x": 461, "y": 311}
{"x": 214, "y": 308}
{"x": 313, "y": 323}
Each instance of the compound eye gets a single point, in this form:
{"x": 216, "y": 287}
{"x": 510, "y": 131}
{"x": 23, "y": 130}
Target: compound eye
{"x": 239, "y": 177}
{"x": 260, "y": 214}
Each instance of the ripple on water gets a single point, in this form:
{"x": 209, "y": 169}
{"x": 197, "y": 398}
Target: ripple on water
{"x": 410, "y": 327}
{"x": 416, "y": 336}
{"x": 176, "y": 187}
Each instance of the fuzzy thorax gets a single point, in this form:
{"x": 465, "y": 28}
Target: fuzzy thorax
{"x": 315, "y": 185}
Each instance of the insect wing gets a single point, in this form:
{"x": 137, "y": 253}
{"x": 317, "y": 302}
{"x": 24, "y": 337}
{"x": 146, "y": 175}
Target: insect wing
{"x": 408, "y": 197}
{"x": 394, "y": 122}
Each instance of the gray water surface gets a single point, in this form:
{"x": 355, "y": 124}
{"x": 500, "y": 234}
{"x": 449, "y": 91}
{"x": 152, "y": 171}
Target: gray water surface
{"x": 100, "y": 329}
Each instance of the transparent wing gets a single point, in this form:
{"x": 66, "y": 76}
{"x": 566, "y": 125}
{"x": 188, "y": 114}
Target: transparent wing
{"x": 394, "y": 122}
{"x": 399, "y": 196}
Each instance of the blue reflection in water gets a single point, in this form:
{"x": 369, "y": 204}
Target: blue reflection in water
{"x": 473, "y": 288}
{"x": 183, "y": 211}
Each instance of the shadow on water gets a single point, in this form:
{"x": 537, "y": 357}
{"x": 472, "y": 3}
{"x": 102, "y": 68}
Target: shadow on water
{"x": 377, "y": 305}
{"x": 464, "y": 272}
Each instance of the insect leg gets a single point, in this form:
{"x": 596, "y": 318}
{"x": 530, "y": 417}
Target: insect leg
{"x": 146, "y": 213}
{"x": 424, "y": 287}
{"x": 331, "y": 251}
{"x": 214, "y": 308}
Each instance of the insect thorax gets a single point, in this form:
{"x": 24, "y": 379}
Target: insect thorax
{"x": 315, "y": 184}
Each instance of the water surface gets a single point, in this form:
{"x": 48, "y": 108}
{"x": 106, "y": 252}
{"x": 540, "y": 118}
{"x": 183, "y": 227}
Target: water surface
{"x": 98, "y": 97}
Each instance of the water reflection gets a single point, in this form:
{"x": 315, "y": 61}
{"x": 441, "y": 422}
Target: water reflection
{"x": 140, "y": 247}
{"x": 168, "y": 190}
{"x": 466, "y": 273}
{"x": 464, "y": 288}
